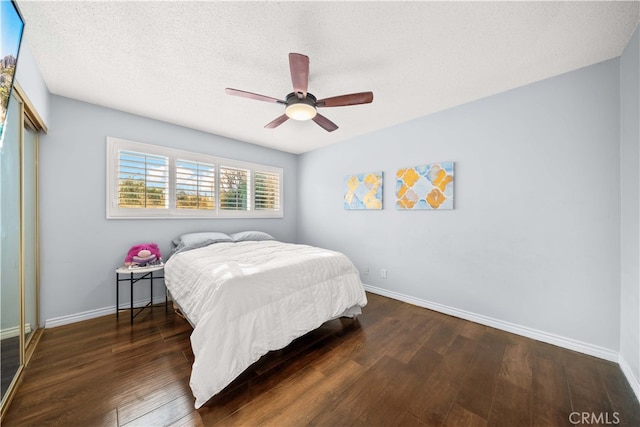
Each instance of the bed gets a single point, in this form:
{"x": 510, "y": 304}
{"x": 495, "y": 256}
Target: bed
{"x": 248, "y": 294}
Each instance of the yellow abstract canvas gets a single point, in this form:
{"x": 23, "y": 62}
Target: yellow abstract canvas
{"x": 425, "y": 187}
{"x": 363, "y": 191}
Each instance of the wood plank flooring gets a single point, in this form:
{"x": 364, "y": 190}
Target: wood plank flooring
{"x": 10, "y": 356}
{"x": 397, "y": 365}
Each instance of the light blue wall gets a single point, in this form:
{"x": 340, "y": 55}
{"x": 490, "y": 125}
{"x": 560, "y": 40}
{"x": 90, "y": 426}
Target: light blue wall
{"x": 630, "y": 214}
{"x": 80, "y": 248}
{"x": 534, "y": 238}
{"x": 29, "y": 77}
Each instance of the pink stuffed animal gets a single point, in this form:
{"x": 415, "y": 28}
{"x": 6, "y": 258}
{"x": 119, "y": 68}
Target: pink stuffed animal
{"x": 143, "y": 254}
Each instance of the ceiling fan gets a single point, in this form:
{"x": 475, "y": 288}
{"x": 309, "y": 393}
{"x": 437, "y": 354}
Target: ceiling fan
{"x": 300, "y": 104}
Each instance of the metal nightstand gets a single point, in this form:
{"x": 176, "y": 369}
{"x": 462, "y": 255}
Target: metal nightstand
{"x": 134, "y": 276}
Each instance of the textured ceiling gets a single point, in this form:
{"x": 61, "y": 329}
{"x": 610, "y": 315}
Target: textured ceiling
{"x": 171, "y": 60}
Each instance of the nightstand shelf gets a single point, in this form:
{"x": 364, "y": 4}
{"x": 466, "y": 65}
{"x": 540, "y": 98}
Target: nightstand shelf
{"x": 133, "y": 276}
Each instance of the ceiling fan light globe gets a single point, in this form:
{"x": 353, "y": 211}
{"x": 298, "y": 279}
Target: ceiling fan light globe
{"x": 300, "y": 111}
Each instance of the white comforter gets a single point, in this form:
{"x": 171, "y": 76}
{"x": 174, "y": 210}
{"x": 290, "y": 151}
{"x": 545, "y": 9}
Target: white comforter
{"x": 248, "y": 298}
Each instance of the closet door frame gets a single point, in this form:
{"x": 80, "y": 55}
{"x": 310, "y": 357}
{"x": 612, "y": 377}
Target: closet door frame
{"x": 28, "y": 347}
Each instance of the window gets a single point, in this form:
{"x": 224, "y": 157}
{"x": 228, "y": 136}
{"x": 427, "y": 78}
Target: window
{"x": 149, "y": 181}
{"x": 143, "y": 180}
{"x": 195, "y": 185}
{"x": 234, "y": 189}
{"x": 267, "y": 191}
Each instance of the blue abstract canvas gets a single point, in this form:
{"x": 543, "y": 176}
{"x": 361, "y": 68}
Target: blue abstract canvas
{"x": 363, "y": 191}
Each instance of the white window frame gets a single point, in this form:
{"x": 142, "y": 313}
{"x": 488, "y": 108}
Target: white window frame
{"x": 113, "y": 211}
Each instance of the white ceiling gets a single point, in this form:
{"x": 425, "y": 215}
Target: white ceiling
{"x": 171, "y": 60}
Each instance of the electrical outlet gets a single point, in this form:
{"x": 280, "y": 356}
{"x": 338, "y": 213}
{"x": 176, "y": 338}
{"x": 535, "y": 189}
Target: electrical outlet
{"x": 365, "y": 270}
{"x": 383, "y": 273}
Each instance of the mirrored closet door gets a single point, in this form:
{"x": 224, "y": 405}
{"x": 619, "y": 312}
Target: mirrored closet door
{"x": 19, "y": 322}
{"x": 10, "y": 249}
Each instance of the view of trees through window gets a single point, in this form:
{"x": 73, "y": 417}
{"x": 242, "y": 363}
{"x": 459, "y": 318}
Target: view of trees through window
{"x": 233, "y": 189}
{"x": 267, "y": 191}
{"x": 195, "y": 185}
{"x": 143, "y": 182}
{"x": 135, "y": 194}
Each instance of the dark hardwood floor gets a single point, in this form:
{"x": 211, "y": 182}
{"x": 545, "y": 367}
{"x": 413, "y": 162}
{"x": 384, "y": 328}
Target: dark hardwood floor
{"x": 10, "y": 356}
{"x": 397, "y": 365}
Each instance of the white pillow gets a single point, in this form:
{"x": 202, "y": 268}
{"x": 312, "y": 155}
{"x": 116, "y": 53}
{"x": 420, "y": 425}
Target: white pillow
{"x": 190, "y": 241}
{"x": 256, "y": 236}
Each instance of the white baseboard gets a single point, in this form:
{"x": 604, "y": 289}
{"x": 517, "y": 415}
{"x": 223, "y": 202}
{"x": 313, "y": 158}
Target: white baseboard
{"x": 92, "y": 314}
{"x": 633, "y": 381}
{"x": 14, "y": 332}
{"x": 571, "y": 344}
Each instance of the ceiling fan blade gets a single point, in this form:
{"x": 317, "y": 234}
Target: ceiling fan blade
{"x": 325, "y": 123}
{"x": 299, "y": 67}
{"x": 251, "y": 95}
{"x": 343, "y": 100}
{"x": 277, "y": 122}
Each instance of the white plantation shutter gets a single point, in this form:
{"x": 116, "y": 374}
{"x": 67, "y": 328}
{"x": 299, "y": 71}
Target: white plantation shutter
{"x": 267, "y": 191}
{"x": 151, "y": 181}
{"x": 143, "y": 180}
{"x": 234, "y": 189}
{"x": 195, "y": 185}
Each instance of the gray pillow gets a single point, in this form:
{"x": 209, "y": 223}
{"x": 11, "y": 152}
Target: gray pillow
{"x": 256, "y": 236}
{"x": 190, "y": 241}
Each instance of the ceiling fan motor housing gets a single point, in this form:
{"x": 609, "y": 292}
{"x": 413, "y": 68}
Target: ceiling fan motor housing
{"x": 300, "y": 109}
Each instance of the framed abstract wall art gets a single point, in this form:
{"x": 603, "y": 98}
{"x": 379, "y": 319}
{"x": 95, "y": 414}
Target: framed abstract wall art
{"x": 425, "y": 187}
{"x": 363, "y": 191}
